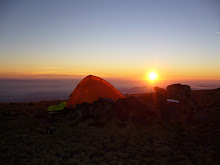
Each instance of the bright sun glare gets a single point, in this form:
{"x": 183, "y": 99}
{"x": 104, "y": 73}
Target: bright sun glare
{"x": 152, "y": 76}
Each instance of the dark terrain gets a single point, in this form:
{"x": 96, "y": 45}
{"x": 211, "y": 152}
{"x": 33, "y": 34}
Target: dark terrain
{"x": 24, "y": 137}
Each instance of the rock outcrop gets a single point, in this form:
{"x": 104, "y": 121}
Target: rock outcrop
{"x": 183, "y": 93}
{"x": 104, "y": 110}
{"x": 148, "y": 107}
{"x": 183, "y": 109}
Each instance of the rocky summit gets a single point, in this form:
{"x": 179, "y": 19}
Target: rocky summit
{"x": 151, "y": 128}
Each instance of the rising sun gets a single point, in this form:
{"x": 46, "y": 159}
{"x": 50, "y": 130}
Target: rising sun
{"x": 152, "y": 76}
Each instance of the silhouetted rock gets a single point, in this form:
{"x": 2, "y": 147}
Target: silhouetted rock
{"x": 160, "y": 90}
{"x": 82, "y": 111}
{"x": 30, "y": 103}
{"x": 183, "y": 93}
{"x": 161, "y": 95}
{"x": 182, "y": 106}
{"x": 104, "y": 110}
{"x": 175, "y": 103}
{"x": 133, "y": 108}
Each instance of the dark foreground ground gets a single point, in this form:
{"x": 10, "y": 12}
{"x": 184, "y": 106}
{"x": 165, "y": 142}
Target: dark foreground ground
{"x": 24, "y": 139}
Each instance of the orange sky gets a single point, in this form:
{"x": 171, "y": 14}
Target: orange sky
{"x": 178, "y": 40}
{"x": 139, "y": 74}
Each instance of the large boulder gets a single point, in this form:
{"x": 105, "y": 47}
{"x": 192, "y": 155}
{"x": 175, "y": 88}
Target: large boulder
{"x": 180, "y": 92}
{"x": 161, "y": 95}
{"x": 176, "y": 102}
{"x": 100, "y": 110}
{"x": 134, "y": 109}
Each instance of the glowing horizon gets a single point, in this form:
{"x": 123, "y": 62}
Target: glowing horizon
{"x": 180, "y": 40}
{"x": 18, "y": 75}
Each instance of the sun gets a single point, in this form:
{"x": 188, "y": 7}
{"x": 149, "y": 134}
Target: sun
{"x": 152, "y": 76}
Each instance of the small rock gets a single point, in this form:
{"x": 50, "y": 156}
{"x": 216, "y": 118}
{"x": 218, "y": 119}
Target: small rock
{"x": 107, "y": 100}
{"x": 30, "y": 104}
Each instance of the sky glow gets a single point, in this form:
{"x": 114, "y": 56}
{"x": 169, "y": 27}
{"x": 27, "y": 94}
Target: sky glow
{"x": 117, "y": 38}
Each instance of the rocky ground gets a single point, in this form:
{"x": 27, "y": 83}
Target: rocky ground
{"x": 83, "y": 136}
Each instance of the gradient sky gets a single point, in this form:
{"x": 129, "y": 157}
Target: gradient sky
{"x": 112, "y": 38}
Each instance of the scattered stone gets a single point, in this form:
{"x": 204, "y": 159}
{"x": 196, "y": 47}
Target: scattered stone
{"x": 51, "y": 130}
